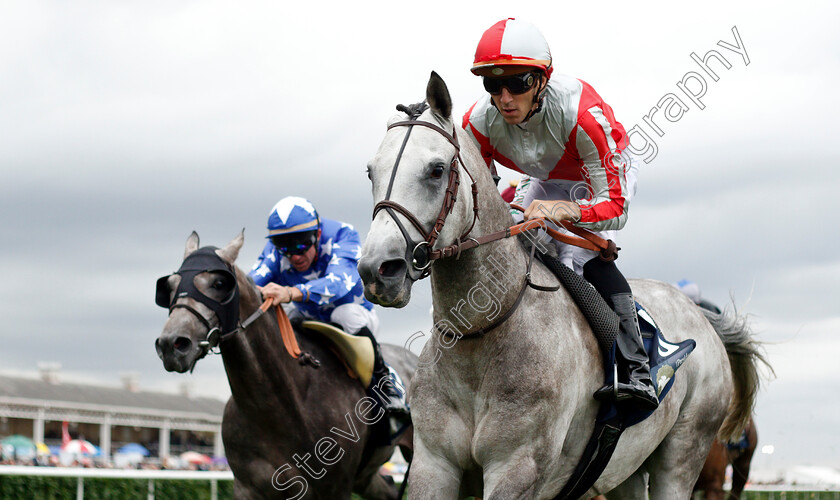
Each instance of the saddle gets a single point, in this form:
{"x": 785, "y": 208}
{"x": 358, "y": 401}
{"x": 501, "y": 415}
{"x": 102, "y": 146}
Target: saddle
{"x": 613, "y": 418}
{"x": 664, "y": 357}
{"x": 355, "y": 352}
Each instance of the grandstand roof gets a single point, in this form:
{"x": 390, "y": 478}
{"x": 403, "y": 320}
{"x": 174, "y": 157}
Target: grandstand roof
{"x": 26, "y": 389}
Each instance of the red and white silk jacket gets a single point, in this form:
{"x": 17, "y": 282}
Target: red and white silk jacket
{"x": 574, "y": 139}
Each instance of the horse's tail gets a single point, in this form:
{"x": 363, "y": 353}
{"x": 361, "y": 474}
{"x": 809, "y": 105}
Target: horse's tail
{"x": 744, "y": 354}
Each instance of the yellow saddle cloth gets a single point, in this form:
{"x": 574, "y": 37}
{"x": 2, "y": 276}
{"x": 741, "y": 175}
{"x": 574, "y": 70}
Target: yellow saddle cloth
{"x": 357, "y": 352}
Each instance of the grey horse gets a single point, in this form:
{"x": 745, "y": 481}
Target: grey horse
{"x": 290, "y": 430}
{"x": 507, "y": 414}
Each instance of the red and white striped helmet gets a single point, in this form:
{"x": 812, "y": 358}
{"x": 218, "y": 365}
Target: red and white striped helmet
{"x": 511, "y": 43}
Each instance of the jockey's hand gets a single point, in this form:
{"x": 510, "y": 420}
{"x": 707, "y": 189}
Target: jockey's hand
{"x": 553, "y": 210}
{"x": 280, "y": 294}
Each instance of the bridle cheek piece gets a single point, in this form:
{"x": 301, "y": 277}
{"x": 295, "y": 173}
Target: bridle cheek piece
{"x": 422, "y": 254}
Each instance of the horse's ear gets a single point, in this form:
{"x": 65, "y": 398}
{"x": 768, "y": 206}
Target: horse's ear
{"x": 437, "y": 95}
{"x": 231, "y": 251}
{"x": 192, "y": 244}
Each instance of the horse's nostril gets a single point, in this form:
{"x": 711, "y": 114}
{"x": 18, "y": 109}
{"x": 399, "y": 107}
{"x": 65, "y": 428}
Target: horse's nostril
{"x": 182, "y": 344}
{"x": 392, "y": 268}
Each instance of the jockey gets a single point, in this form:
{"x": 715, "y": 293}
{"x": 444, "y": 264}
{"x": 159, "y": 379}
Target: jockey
{"x": 692, "y": 290}
{"x": 564, "y": 137}
{"x": 310, "y": 263}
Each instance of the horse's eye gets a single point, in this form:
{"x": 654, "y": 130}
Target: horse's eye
{"x": 220, "y": 283}
{"x": 370, "y": 177}
{"x": 437, "y": 171}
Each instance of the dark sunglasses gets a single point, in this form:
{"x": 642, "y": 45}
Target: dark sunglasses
{"x": 516, "y": 84}
{"x": 289, "y": 248}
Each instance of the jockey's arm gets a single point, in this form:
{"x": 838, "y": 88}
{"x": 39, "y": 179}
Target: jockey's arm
{"x": 603, "y": 170}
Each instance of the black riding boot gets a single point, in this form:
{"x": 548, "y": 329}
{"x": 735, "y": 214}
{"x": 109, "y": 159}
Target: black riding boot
{"x": 629, "y": 347}
{"x": 384, "y": 390}
{"x": 636, "y": 386}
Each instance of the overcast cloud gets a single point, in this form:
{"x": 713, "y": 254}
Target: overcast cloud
{"x": 124, "y": 126}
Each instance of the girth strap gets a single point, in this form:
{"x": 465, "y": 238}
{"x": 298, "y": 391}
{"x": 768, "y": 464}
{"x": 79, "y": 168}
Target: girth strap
{"x": 595, "y": 458}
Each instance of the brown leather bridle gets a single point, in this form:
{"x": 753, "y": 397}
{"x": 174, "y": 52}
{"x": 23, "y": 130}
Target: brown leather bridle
{"x": 421, "y": 254}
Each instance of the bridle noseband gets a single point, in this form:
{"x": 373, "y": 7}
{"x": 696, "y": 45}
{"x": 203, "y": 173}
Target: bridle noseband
{"x": 421, "y": 254}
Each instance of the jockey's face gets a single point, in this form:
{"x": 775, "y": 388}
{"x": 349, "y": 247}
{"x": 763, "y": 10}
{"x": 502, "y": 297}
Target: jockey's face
{"x": 303, "y": 261}
{"x": 292, "y": 247}
{"x": 515, "y": 107}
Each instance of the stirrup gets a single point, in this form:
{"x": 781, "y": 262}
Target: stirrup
{"x": 605, "y": 393}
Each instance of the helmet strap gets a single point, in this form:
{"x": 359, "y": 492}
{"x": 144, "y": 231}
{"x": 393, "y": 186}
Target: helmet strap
{"x": 538, "y": 100}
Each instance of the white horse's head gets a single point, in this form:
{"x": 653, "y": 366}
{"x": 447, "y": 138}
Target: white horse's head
{"x": 411, "y": 173}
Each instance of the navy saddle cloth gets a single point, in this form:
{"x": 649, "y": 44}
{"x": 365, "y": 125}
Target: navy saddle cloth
{"x": 664, "y": 357}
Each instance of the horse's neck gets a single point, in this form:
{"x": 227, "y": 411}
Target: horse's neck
{"x": 483, "y": 284}
{"x": 259, "y": 369}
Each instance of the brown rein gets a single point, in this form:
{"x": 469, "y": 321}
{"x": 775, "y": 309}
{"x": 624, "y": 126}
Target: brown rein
{"x": 586, "y": 239}
{"x": 287, "y": 333}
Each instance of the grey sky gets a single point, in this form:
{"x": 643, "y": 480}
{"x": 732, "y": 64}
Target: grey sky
{"x": 124, "y": 126}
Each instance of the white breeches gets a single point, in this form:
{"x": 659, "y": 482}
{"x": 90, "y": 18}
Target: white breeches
{"x": 351, "y": 317}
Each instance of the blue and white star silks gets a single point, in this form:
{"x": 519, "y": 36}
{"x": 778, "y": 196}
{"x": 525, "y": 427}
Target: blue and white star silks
{"x": 314, "y": 275}
{"x": 327, "y": 247}
{"x": 349, "y": 281}
{"x": 360, "y": 299}
{"x": 331, "y": 281}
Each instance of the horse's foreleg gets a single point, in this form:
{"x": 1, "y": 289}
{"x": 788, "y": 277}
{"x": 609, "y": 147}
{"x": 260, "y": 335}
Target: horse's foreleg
{"x": 406, "y": 444}
{"x": 632, "y": 488}
{"x": 432, "y": 476}
{"x": 511, "y": 479}
{"x": 740, "y": 473}
{"x": 432, "y": 479}
{"x": 243, "y": 492}
{"x": 677, "y": 462}
{"x": 380, "y": 489}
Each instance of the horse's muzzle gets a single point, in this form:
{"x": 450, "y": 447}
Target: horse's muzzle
{"x": 386, "y": 282}
{"x": 175, "y": 351}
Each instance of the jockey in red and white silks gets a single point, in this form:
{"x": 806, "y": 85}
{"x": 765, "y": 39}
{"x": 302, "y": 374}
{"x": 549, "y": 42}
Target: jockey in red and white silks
{"x": 562, "y": 134}
{"x": 571, "y": 149}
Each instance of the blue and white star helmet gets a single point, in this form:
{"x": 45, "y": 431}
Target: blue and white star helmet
{"x": 292, "y": 214}
{"x": 689, "y": 288}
